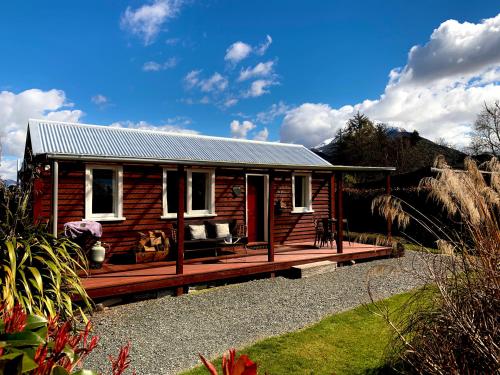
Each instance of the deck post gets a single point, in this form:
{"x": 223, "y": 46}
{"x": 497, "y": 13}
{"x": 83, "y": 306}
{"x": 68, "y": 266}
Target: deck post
{"x": 331, "y": 194}
{"x": 179, "y": 263}
{"x": 55, "y": 196}
{"x": 340, "y": 212}
{"x": 388, "y": 192}
{"x": 270, "y": 219}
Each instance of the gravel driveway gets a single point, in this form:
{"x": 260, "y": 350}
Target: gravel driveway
{"x": 167, "y": 333}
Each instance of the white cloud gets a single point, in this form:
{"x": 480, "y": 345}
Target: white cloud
{"x": 259, "y": 87}
{"x": 230, "y": 102}
{"x": 214, "y": 83}
{"x": 16, "y": 109}
{"x": 438, "y": 93}
{"x": 241, "y": 129}
{"x": 192, "y": 78}
{"x": 147, "y": 20}
{"x": 455, "y": 50}
{"x": 153, "y": 66}
{"x": 310, "y": 123}
{"x": 205, "y": 100}
{"x": 276, "y": 110}
{"x": 99, "y": 99}
{"x": 259, "y": 70}
{"x": 172, "y": 41}
{"x": 8, "y": 169}
{"x": 260, "y": 50}
{"x": 262, "y": 135}
{"x": 173, "y": 125}
{"x": 237, "y": 52}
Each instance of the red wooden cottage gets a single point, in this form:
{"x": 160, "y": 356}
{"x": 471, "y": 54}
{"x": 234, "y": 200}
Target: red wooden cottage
{"x": 137, "y": 180}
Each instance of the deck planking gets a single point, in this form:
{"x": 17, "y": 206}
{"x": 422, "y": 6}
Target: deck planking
{"x": 140, "y": 279}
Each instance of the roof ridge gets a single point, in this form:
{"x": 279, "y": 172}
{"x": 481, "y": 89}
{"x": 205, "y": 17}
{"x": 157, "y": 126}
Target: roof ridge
{"x": 177, "y": 134}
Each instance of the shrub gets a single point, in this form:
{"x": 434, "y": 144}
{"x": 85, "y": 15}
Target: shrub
{"x": 37, "y": 270}
{"x": 232, "y": 366}
{"x": 31, "y": 344}
{"x": 456, "y": 329}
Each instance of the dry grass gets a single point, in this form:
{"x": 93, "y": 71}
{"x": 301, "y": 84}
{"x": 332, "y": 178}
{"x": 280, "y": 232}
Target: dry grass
{"x": 457, "y": 329}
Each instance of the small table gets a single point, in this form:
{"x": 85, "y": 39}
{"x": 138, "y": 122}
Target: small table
{"x": 221, "y": 244}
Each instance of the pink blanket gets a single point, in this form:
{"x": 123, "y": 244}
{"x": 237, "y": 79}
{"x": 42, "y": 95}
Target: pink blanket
{"x": 77, "y": 229}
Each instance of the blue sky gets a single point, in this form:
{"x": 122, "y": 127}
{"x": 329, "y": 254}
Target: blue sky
{"x": 128, "y": 63}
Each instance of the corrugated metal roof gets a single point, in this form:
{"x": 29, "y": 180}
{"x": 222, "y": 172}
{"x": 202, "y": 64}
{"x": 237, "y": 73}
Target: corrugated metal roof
{"x": 93, "y": 141}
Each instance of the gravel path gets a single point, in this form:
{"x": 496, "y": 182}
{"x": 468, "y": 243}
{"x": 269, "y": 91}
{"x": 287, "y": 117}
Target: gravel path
{"x": 167, "y": 333}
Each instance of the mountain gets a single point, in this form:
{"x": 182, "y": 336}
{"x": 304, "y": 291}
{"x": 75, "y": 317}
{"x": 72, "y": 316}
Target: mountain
{"x": 9, "y": 182}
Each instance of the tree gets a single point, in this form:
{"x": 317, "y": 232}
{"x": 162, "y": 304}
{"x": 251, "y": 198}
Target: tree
{"x": 487, "y": 129}
{"x": 363, "y": 143}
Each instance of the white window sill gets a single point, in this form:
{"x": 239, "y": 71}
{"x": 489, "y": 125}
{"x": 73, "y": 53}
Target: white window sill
{"x": 302, "y": 211}
{"x": 187, "y": 216}
{"x": 114, "y": 218}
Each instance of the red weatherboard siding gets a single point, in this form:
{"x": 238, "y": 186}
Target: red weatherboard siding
{"x": 142, "y": 203}
{"x": 290, "y": 227}
{"x": 42, "y": 197}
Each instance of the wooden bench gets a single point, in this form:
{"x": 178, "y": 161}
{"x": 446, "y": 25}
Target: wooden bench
{"x": 212, "y": 243}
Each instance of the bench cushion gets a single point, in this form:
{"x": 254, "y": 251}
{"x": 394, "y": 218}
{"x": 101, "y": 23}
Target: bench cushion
{"x": 200, "y": 244}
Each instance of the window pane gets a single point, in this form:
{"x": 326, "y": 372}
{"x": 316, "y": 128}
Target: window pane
{"x": 199, "y": 189}
{"x": 102, "y": 191}
{"x": 172, "y": 189}
{"x": 299, "y": 191}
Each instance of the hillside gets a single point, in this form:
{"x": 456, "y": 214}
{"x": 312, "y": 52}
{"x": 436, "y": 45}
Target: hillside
{"x": 8, "y": 182}
{"x": 408, "y": 152}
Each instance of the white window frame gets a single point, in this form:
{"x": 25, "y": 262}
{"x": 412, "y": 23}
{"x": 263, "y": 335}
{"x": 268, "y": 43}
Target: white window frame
{"x": 210, "y": 193}
{"x": 307, "y": 192}
{"x": 117, "y": 215}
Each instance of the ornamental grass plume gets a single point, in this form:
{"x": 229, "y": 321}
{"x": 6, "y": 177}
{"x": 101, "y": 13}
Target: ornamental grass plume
{"x": 453, "y": 324}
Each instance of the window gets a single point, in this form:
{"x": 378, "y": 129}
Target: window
{"x": 301, "y": 190}
{"x": 172, "y": 181}
{"x": 199, "y": 197}
{"x": 103, "y": 192}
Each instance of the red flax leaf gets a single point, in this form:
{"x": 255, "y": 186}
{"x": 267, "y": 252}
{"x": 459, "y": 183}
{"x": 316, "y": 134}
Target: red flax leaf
{"x": 210, "y": 367}
{"x": 231, "y": 366}
{"x": 122, "y": 362}
{"x": 244, "y": 366}
{"x": 62, "y": 337}
{"x": 14, "y": 320}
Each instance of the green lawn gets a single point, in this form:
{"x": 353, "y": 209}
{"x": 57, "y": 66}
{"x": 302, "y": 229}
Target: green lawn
{"x": 353, "y": 342}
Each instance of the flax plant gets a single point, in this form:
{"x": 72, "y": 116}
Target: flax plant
{"x": 37, "y": 271}
{"x": 452, "y": 326}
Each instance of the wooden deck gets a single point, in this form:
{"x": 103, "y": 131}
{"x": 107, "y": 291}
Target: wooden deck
{"x": 128, "y": 279}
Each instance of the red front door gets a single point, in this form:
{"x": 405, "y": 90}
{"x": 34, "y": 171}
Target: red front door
{"x": 255, "y": 208}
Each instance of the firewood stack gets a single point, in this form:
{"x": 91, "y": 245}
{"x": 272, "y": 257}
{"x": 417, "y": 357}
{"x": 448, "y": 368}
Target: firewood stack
{"x": 153, "y": 246}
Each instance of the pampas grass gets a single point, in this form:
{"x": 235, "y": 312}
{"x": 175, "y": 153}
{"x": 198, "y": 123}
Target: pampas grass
{"x": 454, "y": 324}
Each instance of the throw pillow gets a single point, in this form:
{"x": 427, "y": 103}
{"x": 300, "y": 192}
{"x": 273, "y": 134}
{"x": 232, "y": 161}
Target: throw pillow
{"x": 222, "y": 230}
{"x": 198, "y": 232}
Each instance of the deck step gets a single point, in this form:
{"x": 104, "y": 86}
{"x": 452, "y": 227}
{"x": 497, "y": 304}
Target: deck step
{"x": 311, "y": 269}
